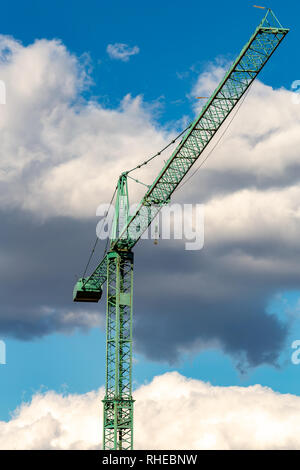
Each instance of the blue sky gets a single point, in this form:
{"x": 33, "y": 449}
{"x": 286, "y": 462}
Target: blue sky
{"x": 75, "y": 363}
{"x": 173, "y": 39}
{"x": 176, "y": 42}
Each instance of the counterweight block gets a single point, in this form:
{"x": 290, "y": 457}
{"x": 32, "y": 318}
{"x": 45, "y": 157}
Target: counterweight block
{"x": 85, "y": 291}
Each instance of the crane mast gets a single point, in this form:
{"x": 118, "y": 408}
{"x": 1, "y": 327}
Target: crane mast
{"x": 118, "y": 401}
{"x": 116, "y": 267}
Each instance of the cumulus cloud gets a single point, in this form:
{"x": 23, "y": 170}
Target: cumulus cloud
{"x": 263, "y": 140}
{"x": 61, "y": 156}
{"x": 172, "y": 412}
{"x": 54, "y": 421}
{"x": 209, "y": 79}
{"x": 121, "y": 51}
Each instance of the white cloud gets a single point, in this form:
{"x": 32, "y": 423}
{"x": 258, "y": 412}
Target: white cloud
{"x": 208, "y": 80}
{"x": 54, "y": 421}
{"x": 61, "y": 155}
{"x": 263, "y": 140}
{"x": 121, "y": 51}
{"x": 172, "y": 412}
{"x": 252, "y": 214}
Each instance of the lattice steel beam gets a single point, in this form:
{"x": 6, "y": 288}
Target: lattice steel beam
{"x": 253, "y": 57}
{"x": 118, "y": 402}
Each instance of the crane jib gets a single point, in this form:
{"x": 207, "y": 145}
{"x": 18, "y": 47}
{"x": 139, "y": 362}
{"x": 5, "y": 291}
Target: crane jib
{"x": 253, "y": 57}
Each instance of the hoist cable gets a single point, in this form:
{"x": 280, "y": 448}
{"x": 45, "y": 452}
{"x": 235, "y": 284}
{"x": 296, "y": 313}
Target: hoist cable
{"x": 158, "y": 153}
{"x": 97, "y": 238}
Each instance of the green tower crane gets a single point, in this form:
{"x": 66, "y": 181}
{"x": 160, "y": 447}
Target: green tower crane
{"x": 116, "y": 267}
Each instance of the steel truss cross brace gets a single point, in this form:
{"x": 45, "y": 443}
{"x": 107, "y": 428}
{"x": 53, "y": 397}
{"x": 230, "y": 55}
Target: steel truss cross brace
{"x": 118, "y": 402}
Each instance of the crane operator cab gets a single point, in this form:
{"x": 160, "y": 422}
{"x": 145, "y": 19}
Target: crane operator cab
{"x": 85, "y": 291}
